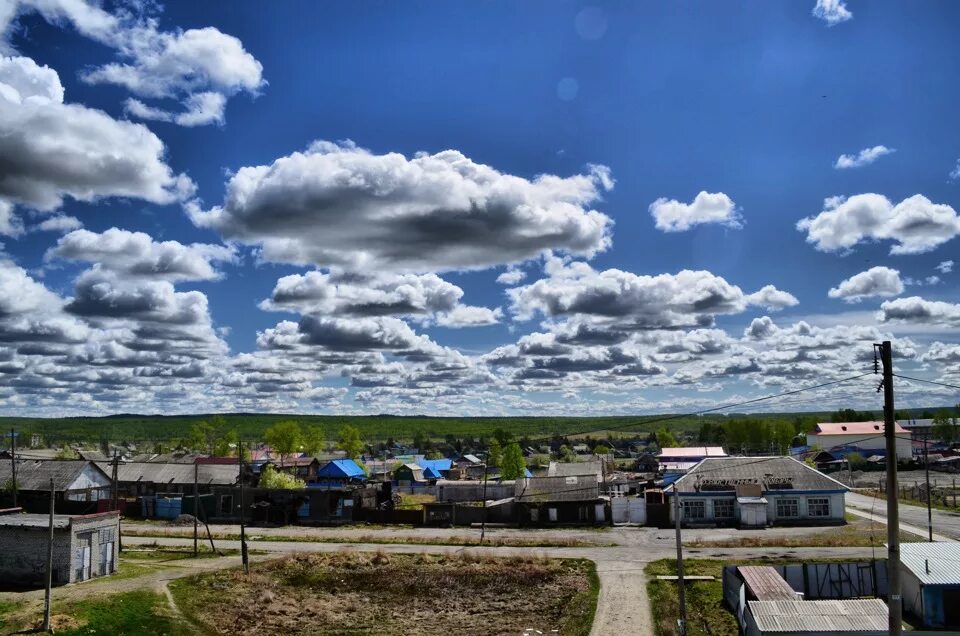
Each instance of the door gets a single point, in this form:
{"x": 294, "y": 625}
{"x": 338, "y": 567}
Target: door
{"x": 106, "y": 558}
{"x": 638, "y": 511}
{"x": 600, "y": 516}
{"x": 83, "y": 556}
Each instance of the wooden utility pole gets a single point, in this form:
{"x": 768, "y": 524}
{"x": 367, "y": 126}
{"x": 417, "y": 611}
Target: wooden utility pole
{"x": 13, "y": 465}
{"x": 681, "y": 585}
{"x": 483, "y": 522}
{"x": 196, "y": 504}
{"x": 46, "y": 595}
{"x": 926, "y": 468}
{"x": 894, "y": 599}
{"x": 244, "y": 556}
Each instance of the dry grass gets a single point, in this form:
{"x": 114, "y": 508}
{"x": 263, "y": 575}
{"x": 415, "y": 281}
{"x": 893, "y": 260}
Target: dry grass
{"x": 861, "y": 533}
{"x": 378, "y": 593}
{"x": 453, "y": 540}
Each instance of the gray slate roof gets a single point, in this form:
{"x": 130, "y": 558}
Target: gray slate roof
{"x": 36, "y": 474}
{"x": 564, "y": 469}
{"x": 34, "y": 521}
{"x": 547, "y": 489}
{"x": 932, "y": 563}
{"x": 774, "y": 474}
{"x": 179, "y": 474}
{"x": 821, "y": 617}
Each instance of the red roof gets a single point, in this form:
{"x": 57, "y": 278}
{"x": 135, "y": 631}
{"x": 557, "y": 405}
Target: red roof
{"x": 855, "y": 428}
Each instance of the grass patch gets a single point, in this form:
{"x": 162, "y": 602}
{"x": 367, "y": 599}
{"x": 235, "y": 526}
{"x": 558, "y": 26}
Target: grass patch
{"x": 6, "y": 609}
{"x": 706, "y": 614}
{"x": 140, "y": 613}
{"x": 376, "y": 593}
{"x": 861, "y": 533}
{"x": 409, "y": 501}
{"x": 164, "y": 554}
{"x": 453, "y": 540}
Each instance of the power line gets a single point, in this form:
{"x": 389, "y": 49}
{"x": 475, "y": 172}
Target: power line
{"x": 907, "y": 377}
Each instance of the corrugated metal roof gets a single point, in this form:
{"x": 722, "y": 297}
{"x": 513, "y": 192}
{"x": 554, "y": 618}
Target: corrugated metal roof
{"x": 569, "y": 469}
{"x": 36, "y": 474}
{"x": 941, "y": 559}
{"x": 341, "y": 468}
{"x": 853, "y": 428}
{"x": 547, "y": 489}
{"x": 861, "y": 615}
{"x": 180, "y": 474}
{"x": 765, "y": 583}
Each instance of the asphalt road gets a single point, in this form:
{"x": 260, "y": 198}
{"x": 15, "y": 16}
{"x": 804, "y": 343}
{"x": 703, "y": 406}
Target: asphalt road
{"x": 945, "y": 524}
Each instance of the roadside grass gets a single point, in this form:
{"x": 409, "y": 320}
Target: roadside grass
{"x": 156, "y": 553}
{"x": 409, "y": 501}
{"x": 351, "y": 592}
{"x": 454, "y": 540}
{"x": 134, "y": 613}
{"x": 859, "y": 533}
{"x": 7, "y": 609}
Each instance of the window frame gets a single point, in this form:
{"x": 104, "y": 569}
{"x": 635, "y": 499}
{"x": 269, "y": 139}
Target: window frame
{"x": 699, "y": 504}
{"x": 788, "y": 504}
{"x": 726, "y": 503}
{"x": 819, "y": 504}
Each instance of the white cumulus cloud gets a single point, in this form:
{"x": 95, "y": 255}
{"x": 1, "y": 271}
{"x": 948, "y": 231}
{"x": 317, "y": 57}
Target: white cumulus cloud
{"x": 916, "y": 224}
{"x": 919, "y": 310}
{"x": 340, "y": 205}
{"x": 876, "y": 281}
{"x": 833, "y": 12}
{"x": 671, "y": 215}
{"x": 863, "y": 158}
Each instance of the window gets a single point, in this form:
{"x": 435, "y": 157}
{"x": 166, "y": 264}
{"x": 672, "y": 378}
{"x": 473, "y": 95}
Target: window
{"x": 723, "y": 508}
{"x": 788, "y": 508}
{"x": 694, "y": 509}
{"x": 818, "y": 507}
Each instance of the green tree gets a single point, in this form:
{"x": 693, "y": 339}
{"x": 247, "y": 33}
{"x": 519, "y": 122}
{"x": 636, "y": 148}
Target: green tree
{"x": 494, "y": 454}
{"x": 944, "y": 427}
{"x": 602, "y": 449}
{"x": 665, "y": 439}
{"x": 512, "y": 465}
{"x": 284, "y": 437}
{"x": 350, "y": 441}
{"x": 566, "y": 454}
{"x": 273, "y": 478}
{"x": 313, "y": 440}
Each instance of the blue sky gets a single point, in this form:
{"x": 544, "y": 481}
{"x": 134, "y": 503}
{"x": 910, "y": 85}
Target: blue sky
{"x": 326, "y": 194}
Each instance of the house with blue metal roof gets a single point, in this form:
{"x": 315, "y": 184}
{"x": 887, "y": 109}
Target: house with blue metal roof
{"x": 435, "y": 468}
{"x": 340, "y": 471}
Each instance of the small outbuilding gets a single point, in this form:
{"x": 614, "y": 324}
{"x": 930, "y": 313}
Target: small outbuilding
{"x": 931, "y": 582}
{"x": 84, "y": 546}
{"x": 864, "y": 617}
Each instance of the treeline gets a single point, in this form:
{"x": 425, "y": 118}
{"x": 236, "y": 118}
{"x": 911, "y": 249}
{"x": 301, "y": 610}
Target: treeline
{"x": 755, "y": 434}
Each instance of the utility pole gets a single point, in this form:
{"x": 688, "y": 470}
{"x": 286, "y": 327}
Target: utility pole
{"x": 895, "y": 599}
{"x": 926, "y": 467}
{"x": 483, "y": 522}
{"x": 13, "y": 465}
{"x": 196, "y": 504}
{"x": 244, "y": 557}
{"x": 46, "y": 595}
{"x": 681, "y": 584}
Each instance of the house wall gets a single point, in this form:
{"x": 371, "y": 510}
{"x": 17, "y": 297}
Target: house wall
{"x": 912, "y": 593}
{"x": 23, "y": 556}
{"x": 90, "y": 485}
{"x": 711, "y": 501}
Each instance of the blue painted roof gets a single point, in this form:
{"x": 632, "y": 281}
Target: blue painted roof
{"x": 342, "y": 468}
{"x": 430, "y": 473}
{"x": 527, "y": 473}
{"x": 437, "y": 465}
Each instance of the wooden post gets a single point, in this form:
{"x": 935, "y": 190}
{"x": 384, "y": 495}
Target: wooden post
{"x": 46, "y": 594}
{"x": 13, "y": 465}
{"x": 196, "y": 505}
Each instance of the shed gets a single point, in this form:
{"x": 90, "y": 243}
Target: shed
{"x": 84, "y": 546}
{"x": 73, "y": 479}
{"x": 152, "y": 478}
{"x": 764, "y": 583}
{"x": 931, "y": 582}
{"x": 865, "y": 617}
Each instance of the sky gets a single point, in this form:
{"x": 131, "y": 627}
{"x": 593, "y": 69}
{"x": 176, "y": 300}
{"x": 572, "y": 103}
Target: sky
{"x": 456, "y": 208}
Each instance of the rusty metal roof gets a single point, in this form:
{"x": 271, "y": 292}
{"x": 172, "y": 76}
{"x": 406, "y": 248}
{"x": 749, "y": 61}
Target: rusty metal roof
{"x": 766, "y": 584}
{"x": 867, "y": 616}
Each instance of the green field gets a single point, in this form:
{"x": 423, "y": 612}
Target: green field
{"x": 159, "y": 428}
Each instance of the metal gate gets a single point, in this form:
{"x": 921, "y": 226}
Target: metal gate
{"x": 628, "y": 510}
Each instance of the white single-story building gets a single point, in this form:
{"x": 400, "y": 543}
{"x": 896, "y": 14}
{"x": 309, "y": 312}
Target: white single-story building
{"x": 757, "y": 492}
{"x": 865, "y": 436}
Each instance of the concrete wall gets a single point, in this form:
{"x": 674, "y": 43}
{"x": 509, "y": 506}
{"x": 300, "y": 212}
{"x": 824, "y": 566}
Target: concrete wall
{"x": 23, "y": 556}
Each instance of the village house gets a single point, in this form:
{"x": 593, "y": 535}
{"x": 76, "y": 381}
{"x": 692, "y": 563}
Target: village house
{"x": 756, "y": 492}
{"x": 304, "y": 468}
{"x": 931, "y": 583}
{"x": 78, "y": 484}
{"x": 84, "y": 546}
{"x": 137, "y": 479}
{"x": 865, "y": 438}
{"x": 339, "y": 472}
{"x": 571, "y": 499}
